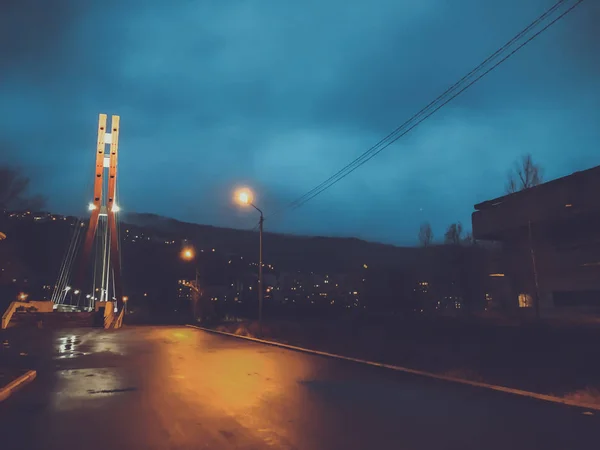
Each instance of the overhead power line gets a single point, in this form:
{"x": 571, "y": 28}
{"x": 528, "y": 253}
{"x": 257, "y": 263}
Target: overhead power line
{"x": 495, "y": 59}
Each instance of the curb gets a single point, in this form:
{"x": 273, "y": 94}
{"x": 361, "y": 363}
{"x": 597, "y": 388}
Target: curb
{"x": 507, "y": 390}
{"x": 16, "y": 384}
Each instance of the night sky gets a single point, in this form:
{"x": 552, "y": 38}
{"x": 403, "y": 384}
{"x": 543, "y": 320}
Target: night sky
{"x": 279, "y": 95}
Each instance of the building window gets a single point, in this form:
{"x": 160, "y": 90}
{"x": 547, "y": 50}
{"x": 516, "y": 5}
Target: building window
{"x": 525, "y": 301}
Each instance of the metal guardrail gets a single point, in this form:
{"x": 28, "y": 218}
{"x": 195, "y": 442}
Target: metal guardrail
{"x": 68, "y": 308}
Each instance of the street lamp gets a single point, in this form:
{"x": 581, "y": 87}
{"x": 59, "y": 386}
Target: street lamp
{"x": 188, "y": 253}
{"x": 245, "y": 197}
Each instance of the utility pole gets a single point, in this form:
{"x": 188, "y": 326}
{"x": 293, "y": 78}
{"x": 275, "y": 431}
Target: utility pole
{"x": 535, "y": 273}
{"x": 260, "y": 271}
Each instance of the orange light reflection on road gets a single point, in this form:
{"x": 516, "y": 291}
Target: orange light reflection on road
{"x": 237, "y": 377}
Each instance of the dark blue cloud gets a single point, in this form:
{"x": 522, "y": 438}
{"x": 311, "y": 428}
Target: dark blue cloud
{"x": 280, "y": 95}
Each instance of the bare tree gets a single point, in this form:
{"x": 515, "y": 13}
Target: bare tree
{"x": 425, "y": 234}
{"x": 468, "y": 239}
{"x": 13, "y": 191}
{"x": 524, "y": 175}
{"x": 453, "y": 234}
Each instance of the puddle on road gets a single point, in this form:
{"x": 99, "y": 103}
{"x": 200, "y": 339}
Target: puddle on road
{"x": 112, "y": 391}
{"x": 88, "y": 388}
{"x": 67, "y": 347}
{"x": 71, "y": 355}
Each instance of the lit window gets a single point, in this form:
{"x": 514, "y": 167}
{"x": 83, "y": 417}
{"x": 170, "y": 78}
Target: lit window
{"x": 525, "y": 301}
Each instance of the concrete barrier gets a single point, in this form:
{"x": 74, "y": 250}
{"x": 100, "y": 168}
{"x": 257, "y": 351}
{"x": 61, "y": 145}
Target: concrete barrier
{"x": 16, "y": 384}
{"x": 40, "y": 307}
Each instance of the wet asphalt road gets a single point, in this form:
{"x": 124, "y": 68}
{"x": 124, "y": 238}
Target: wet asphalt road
{"x": 181, "y": 388}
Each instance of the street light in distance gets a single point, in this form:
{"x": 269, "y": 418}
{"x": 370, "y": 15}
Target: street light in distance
{"x": 188, "y": 253}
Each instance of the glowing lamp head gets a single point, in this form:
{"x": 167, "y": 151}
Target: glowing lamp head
{"x": 115, "y": 208}
{"x": 244, "y": 196}
{"x": 91, "y": 207}
{"x": 188, "y": 253}
{"x": 23, "y": 296}
{"x": 76, "y": 291}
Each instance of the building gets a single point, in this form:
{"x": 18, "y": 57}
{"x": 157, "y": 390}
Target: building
{"x": 184, "y": 289}
{"x": 550, "y": 237}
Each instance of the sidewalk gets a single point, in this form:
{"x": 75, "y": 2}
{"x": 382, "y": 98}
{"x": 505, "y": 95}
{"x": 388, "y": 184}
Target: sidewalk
{"x": 564, "y": 362}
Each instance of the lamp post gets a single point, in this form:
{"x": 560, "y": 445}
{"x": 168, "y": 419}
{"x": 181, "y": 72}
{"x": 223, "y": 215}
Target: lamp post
{"x": 188, "y": 253}
{"x": 77, "y": 292}
{"x": 244, "y": 197}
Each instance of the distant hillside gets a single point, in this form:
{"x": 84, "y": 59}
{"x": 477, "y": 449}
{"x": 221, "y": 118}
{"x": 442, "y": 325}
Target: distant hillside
{"x": 32, "y": 256}
{"x": 286, "y": 252}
